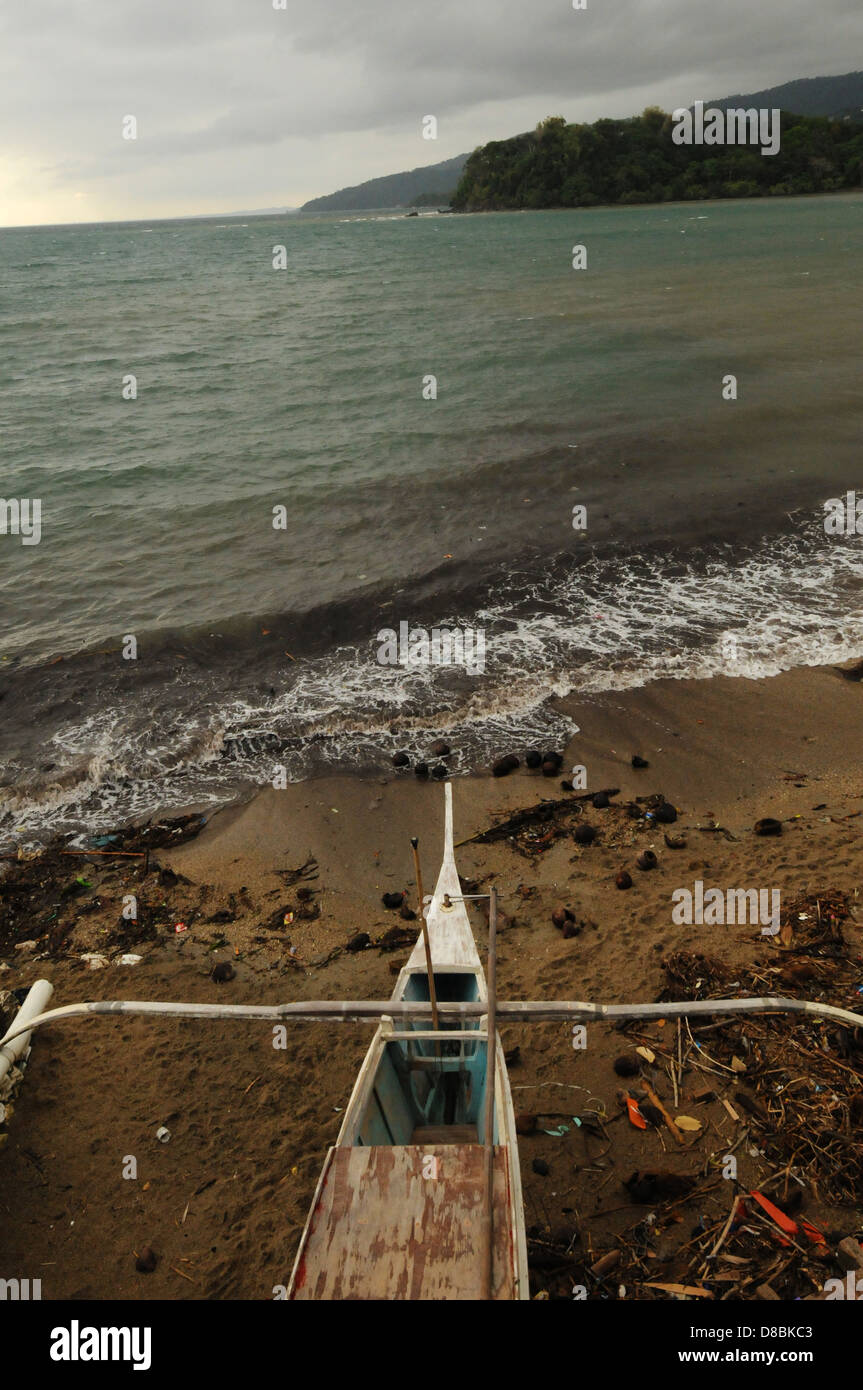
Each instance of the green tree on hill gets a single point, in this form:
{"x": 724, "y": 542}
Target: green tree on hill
{"x": 637, "y": 161}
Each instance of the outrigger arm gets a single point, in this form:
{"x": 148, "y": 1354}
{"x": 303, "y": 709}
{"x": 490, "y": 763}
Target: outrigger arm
{"x": 373, "y": 1010}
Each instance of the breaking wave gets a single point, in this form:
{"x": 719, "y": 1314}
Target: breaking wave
{"x": 608, "y": 624}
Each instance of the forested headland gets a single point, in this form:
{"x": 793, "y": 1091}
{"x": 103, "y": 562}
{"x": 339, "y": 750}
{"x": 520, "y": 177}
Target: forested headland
{"x": 637, "y": 161}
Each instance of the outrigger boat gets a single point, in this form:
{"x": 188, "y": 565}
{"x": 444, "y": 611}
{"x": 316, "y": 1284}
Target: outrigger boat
{"x": 420, "y": 1196}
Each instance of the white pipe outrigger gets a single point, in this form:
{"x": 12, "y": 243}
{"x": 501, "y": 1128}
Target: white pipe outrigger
{"x": 16, "y": 1041}
{"x": 372, "y": 1010}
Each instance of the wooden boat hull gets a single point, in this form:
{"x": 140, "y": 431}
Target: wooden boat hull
{"x": 400, "y": 1203}
{"x": 381, "y": 1227}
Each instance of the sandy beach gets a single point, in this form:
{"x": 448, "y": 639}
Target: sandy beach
{"x": 222, "y": 1203}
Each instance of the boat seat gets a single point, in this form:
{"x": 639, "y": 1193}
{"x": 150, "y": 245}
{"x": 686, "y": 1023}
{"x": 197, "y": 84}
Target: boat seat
{"x": 445, "y": 1134}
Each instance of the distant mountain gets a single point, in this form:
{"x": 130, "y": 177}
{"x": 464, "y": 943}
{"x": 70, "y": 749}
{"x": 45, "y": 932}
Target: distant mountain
{"x": 839, "y": 97}
{"x": 394, "y": 190}
{"x": 259, "y": 212}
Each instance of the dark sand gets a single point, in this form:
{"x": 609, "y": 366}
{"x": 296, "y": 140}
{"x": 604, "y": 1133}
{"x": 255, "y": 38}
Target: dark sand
{"x": 223, "y": 1203}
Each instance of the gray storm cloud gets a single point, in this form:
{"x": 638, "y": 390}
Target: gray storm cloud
{"x": 240, "y": 104}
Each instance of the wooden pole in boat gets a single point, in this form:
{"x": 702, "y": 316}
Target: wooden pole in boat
{"x": 425, "y": 931}
{"x": 487, "y": 1291}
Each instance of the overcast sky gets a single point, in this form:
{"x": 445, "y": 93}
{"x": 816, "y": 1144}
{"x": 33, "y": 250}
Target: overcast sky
{"x": 240, "y": 105}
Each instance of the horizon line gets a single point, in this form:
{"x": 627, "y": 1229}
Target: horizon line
{"x": 131, "y": 221}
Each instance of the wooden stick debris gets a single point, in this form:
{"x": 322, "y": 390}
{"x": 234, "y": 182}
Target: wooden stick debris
{"x": 491, "y": 1069}
{"x": 654, "y": 1099}
{"x": 425, "y": 931}
{"x": 120, "y": 853}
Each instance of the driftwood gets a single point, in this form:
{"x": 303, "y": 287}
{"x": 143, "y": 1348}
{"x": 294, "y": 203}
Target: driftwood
{"x": 539, "y": 814}
{"x": 308, "y": 870}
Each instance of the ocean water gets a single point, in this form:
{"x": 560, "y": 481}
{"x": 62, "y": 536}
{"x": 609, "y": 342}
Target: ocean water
{"x": 303, "y": 388}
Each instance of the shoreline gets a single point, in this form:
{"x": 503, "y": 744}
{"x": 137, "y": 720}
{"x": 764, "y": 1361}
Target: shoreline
{"x": 680, "y": 726}
{"x": 675, "y": 723}
{"x": 671, "y": 203}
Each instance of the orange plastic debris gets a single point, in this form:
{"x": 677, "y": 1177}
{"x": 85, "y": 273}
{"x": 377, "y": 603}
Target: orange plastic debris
{"x": 635, "y": 1116}
{"x": 812, "y": 1233}
{"x": 786, "y": 1223}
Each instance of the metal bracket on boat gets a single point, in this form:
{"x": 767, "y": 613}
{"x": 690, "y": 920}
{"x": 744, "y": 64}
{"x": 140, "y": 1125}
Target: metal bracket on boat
{"x": 450, "y": 1035}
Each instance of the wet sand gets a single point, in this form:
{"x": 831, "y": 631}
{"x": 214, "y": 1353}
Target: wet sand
{"x": 223, "y": 1202}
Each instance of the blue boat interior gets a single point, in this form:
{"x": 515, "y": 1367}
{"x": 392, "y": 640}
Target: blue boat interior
{"x": 430, "y": 1091}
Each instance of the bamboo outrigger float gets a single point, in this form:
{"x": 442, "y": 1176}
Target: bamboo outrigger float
{"x": 420, "y": 1196}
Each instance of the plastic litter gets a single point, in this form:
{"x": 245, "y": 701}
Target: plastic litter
{"x": 635, "y": 1116}
{"x": 94, "y": 961}
{"x": 688, "y": 1122}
